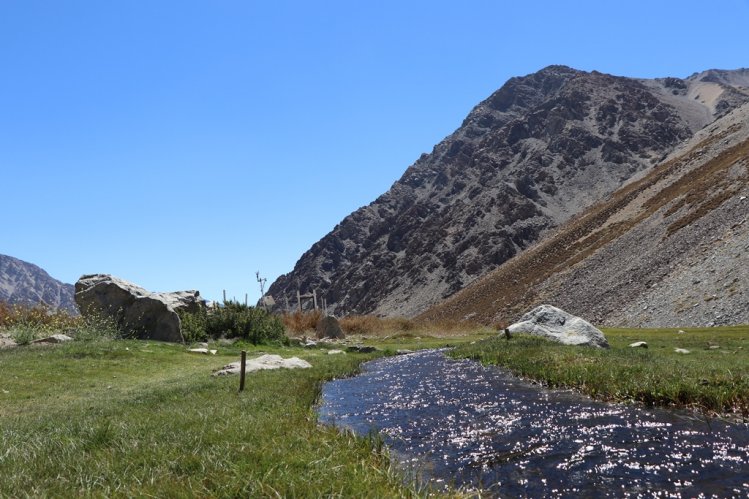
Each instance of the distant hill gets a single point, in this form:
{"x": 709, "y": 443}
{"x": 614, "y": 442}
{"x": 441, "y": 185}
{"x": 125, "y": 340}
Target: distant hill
{"x": 529, "y": 158}
{"x": 669, "y": 249}
{"x": 25, "y": 283}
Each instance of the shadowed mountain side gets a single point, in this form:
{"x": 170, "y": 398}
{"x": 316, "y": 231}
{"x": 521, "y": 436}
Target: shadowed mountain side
{"x": 535, "y": 153}
{"x": 670, "y": 249}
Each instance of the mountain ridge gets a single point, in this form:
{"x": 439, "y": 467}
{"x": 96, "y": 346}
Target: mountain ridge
{"x": 24, "y": 283}
{"x": 667, "y": 250}
{"x": 526, "y": 159}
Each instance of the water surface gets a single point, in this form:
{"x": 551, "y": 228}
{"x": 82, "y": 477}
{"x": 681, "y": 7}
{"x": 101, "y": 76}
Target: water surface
{"x": 455, "y": 422}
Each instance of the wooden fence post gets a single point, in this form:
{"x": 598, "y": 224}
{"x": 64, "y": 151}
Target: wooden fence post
{"x": 242, "y": 369}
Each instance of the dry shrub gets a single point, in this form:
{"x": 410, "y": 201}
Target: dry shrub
{"x": 37, "y": 316}
{"x": 447, "y": 326}
{"x": 301, "y": 322}
{"x": 362, "y": 324}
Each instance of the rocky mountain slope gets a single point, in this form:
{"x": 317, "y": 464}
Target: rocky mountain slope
{"x": 25, "y": 283}
{"x": 527, "y": 159}
{"x": 670, "y": 249}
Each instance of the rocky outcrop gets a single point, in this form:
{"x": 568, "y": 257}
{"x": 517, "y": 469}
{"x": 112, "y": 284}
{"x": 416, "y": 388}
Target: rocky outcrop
{"x": 24, "y": 283}
{"x": 555, "y": 324}
{"x": 526, "y": 160}
{"x": 328, "y": 327}
{"x": 139, "y": 312}
{"x": 667, "y": 250}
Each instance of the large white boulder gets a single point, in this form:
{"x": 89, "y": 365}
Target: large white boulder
{"x": 556, "y": 324}
{"x": 267, "y": 361}
{"x": 139, "y": 312}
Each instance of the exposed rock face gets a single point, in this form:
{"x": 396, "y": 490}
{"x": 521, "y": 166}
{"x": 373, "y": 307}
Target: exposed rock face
{"x": 142, "y": 313}
{"x": 24, "y": 283}
{"x": 328, "y": 327}
{"x": 556, "y": 324}
{"x": 670, "y": 249}
{"x": 525, "y": 160}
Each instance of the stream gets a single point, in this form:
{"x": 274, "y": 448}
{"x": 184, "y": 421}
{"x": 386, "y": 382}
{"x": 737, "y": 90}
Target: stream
{"x": 456, "y": 423}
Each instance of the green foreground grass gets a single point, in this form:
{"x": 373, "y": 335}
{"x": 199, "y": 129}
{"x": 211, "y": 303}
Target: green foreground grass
{"x": 712, "y": 380}
{"x": 135, "y": 418}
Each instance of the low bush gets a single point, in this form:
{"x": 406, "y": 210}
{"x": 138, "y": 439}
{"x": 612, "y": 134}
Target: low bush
{"x": 233, "y": 320}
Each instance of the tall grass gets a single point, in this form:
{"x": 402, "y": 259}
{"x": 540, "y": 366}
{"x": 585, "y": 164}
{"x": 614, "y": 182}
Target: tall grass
{"x": 372, "y": 325}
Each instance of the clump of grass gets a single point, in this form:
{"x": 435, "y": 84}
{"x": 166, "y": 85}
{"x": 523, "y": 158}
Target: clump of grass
{"x": 712, "y": 380}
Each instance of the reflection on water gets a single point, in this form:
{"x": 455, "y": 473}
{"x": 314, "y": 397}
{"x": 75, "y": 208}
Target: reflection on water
{"x": 454, "y": 422}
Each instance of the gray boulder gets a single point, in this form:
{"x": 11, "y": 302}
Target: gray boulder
{"x": 139, "y": 312}
{"x": 556, "y": 324}
{"x": 328, "y": 327}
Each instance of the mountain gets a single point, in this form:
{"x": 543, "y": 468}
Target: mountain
{"x": 669, "y": 249}
{"x": 25, "y": 283}
{"x": 525, "y": 160}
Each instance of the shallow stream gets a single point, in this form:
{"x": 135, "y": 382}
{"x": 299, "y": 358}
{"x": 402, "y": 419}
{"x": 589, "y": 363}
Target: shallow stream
{"x": 456, "y": 423}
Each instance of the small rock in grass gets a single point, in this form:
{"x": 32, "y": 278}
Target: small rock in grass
{"x": 680, "y": 332}
{"x": 55, "y": 338}
{"x": 403, "y": 351}
{"x": 335, "y": 352}
{"x": 203, "y": 351}
{"x": 714, "y": 347}
{"x": 638, "y": 344}
{"x": 361, "y": 349}
{"x": 7, "y": 342}
{"x": 681, "y": 350}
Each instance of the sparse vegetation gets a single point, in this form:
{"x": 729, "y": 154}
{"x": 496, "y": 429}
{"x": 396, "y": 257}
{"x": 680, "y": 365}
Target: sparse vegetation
{"x": 713, "y": 377}
{"x": 26, "y": 324}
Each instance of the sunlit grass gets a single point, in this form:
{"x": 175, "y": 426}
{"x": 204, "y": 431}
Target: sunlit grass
{"x": 136, "y": 418}
{"x": 713, "y": 377}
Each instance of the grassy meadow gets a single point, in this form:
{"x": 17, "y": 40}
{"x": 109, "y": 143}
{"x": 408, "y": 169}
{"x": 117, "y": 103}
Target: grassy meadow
{"x": 712, "y": 378}
{"x": 122, "y": 418}
{"x": 104, "y": 416}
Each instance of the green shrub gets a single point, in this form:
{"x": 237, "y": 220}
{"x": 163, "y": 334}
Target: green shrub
{"x": 194, "y": 325}
{"x": 233, "y": 320}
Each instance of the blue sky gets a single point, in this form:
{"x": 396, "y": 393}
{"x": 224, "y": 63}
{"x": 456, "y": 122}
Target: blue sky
{"x": 186, "y": 145}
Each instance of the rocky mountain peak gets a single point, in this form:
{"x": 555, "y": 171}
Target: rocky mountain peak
{"x": 533, "y": 154}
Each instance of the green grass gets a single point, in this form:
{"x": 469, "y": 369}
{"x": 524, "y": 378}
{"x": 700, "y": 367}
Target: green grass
{"x": 709, "y": 380}
{"x": 136, "y": 418}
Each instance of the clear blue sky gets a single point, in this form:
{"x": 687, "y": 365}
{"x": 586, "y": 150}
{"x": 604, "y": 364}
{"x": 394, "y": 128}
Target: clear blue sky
{"x": 185, "y": 145}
